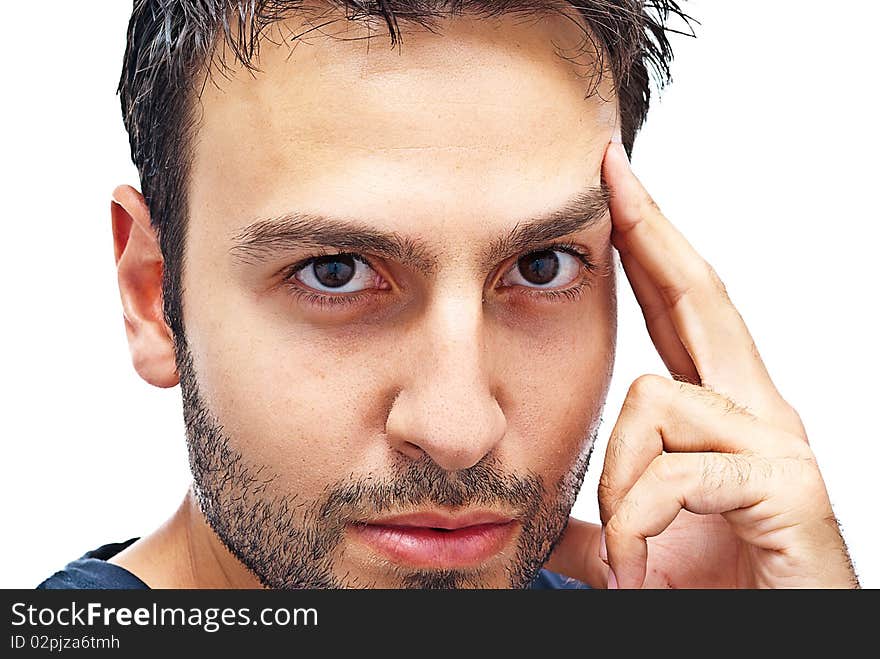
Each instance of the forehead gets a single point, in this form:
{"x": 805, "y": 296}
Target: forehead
{"x": 483, "y": 119}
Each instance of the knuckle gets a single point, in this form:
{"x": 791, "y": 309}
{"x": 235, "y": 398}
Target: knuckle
{"x": 616, "y": 526}
{"x": 647, "y": 387}
{"x": 802, "y": 480}
{"x": 720, "y": 469}
{"x": 794, "y": 444}
{"x": 666, "y": 468}
{"x": 792, "y": 421}
{"x": 674, "y": 293}
{"x": 803, "y": 467}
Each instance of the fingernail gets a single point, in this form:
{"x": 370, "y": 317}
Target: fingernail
{"x": 612, "y": 580}
{"x": 603, "y": 550}
{"x": 617, "y": 138}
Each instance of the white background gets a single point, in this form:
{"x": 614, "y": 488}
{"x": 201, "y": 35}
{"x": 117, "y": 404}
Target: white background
{"x": 764, "y": 152}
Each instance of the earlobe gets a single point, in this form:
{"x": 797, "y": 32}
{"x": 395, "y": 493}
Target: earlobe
{"x": 139, "y": 266}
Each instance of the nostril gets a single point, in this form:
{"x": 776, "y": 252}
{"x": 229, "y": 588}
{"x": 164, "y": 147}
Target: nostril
{"x": 411, "y": 450}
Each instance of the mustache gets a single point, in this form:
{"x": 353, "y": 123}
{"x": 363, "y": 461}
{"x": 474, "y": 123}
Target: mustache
{"x": 423, "y": 483}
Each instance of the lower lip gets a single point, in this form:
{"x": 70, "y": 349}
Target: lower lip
{"x": 418, "y": 546}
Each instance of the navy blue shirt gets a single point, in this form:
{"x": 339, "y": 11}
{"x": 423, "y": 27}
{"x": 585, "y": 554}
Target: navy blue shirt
{"x": 92, "y": 571}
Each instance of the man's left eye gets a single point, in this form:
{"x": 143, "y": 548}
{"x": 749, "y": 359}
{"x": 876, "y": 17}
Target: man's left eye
{"x": 548, "y": 268}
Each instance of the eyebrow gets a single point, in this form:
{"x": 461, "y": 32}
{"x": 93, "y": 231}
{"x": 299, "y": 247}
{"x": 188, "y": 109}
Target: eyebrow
{"x": 267, "y": 237}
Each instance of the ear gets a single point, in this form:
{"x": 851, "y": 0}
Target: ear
{"x": 139, "y": 266}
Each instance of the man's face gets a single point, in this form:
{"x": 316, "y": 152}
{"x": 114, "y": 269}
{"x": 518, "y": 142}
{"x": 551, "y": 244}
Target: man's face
{"x": 417, "y": 409}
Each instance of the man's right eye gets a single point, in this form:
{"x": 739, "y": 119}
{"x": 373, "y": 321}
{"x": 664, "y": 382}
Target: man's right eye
{"x": 337, "y": 273}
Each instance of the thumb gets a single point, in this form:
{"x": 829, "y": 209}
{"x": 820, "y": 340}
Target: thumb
{"x": 577, "y": 554}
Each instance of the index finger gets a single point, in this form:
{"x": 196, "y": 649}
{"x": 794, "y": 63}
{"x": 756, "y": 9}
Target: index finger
{"x": 709, "y": 326}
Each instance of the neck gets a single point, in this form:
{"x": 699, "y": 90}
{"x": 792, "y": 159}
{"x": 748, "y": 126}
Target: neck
{"x": 185, "y": 553}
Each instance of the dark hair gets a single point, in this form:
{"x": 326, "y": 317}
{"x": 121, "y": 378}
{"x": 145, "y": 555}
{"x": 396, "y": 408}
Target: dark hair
{"x": 173, "y": 44}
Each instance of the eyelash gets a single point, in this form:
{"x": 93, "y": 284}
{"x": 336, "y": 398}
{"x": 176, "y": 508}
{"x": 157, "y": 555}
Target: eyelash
{"x": 322, "y": 301}
{"x": 573, "y": 292}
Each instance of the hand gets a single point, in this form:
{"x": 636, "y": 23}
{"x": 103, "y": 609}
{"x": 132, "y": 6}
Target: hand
{"x": 712, "y": 466}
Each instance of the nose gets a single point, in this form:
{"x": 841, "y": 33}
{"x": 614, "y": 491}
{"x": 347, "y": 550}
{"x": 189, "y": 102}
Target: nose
{"x": 446, "y": 407}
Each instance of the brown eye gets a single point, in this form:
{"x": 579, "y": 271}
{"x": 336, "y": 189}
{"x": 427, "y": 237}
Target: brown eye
{"x": 334, "y": 271}
{"x": 539, "y": 267}
{"x": 337, "y": 273}
{"x": 547, "y": 268}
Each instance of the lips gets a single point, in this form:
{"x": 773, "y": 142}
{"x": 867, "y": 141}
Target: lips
{"x": 437, "y": 540}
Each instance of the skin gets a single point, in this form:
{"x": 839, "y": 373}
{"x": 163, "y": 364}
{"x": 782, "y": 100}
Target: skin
{"x": 451, "y": 143}
{"x": 432, "y": 367}
{"x": 709, "y": 479}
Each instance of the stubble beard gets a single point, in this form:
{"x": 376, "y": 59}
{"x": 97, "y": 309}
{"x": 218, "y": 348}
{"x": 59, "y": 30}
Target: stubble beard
{"x": 288, "y": 543}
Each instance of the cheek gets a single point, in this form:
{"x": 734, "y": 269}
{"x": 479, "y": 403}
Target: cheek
{"x": 288, "y": 397}
{"x": 556, "y": 380}
{"x": 313, "y": 404}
